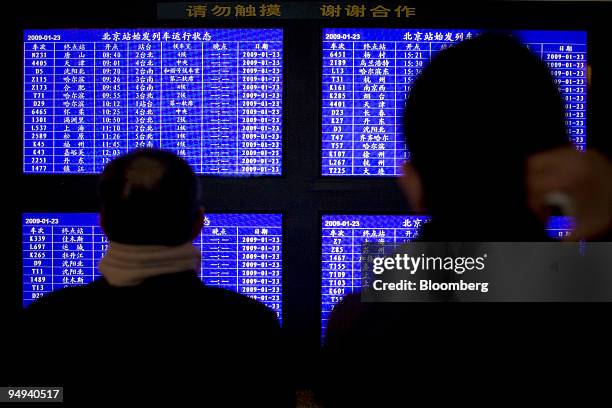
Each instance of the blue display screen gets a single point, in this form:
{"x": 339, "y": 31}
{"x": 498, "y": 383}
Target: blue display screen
{"x": 367, "y": 74}
{"x": 342, "y": 236}
{"x": 240, "y": 252}
{"x": 213, "y": 96}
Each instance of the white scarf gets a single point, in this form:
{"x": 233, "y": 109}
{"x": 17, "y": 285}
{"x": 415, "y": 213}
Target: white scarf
{"x": 129, "y": 265}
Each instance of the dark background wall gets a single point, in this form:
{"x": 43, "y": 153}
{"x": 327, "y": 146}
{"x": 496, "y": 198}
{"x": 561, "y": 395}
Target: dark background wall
{"x": 301, "y": 194}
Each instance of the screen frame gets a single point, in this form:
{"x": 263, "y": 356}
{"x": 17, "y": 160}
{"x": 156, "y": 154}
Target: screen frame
{"x": 283, "y": 229}
{"x": 320, "y": 216}
{"x": 163, "y": 26}
{"x": 337, "y": 178}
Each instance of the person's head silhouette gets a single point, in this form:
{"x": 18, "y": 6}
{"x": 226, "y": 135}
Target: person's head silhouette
{"x": 150, "y": 197}
{"x": 472, "y": 118}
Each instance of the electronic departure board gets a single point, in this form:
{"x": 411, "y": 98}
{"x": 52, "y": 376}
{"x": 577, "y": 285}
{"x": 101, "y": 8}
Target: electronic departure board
{"x": 213, "y": 96}
{"x": 240, "y": 252}
{"x": 342, "y": 236}
{"x": 367, "y": 74}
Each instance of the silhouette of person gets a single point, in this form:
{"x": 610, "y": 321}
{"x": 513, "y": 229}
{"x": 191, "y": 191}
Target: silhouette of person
{"x": 148, "y": 329}
{"x": 473, "y": 119}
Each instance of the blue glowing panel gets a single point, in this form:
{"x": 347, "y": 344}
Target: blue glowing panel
{"x": 367, "y": 74}
{"x": 559, "y": 227}
{"x": 240, "y": 252}
{"x": 342, "y": 236}
{"x": 212, "y": 96}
